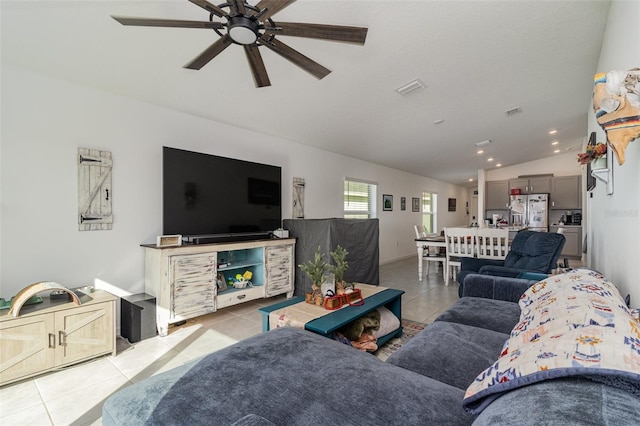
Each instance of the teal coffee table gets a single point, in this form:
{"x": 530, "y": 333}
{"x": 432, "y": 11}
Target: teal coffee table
{"x": 328, "y": 324}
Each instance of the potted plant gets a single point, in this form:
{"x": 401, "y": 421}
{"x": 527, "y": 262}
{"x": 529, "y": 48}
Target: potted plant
{"x": 593, "y": 153}
{"x": 316, "y": 270}
{"x": 339, "y": 267}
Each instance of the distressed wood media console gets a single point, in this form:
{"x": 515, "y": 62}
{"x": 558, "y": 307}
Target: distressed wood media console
{"x": 184, "y": 279}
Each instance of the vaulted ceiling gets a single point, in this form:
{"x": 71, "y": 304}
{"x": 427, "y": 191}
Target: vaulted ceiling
{"x": 476, "y": 59}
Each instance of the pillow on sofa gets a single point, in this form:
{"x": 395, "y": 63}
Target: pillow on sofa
{"x": 574, "y": 324}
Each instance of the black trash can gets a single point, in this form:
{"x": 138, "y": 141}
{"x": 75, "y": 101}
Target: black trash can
{"x": 138, "y": 317}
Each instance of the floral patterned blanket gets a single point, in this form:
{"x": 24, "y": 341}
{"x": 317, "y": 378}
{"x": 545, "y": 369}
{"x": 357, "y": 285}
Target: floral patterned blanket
{"x": 574, "y": 324}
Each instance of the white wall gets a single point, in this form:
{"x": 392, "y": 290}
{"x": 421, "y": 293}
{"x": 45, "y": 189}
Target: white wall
{"x": 45, "y": 120}
{"x": 558, "y": 165}
{"x": 614, "y": 220}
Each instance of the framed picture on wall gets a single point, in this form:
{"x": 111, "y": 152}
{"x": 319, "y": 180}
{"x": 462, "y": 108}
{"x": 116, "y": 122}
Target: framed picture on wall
{"x": 415, "y": 204}
{"x": 452, "y": 204}
{"x": 387, "y": 202}
{"x": 403, "y": 203}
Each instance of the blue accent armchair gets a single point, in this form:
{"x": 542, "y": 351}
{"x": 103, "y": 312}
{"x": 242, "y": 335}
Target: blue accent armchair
{"x": 530, "y": 252}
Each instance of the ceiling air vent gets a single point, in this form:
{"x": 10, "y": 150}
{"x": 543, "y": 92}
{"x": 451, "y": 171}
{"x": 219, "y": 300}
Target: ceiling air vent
{"x": 411, "y": 87}
{"x": 513, "y": 111}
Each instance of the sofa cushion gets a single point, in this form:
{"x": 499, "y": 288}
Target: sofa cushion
{"x": 496, "y": 315}
{"x": 566, "y": 401}
{"x": 450, "y": 353}
{"x": 288, "y": 376}
{"x": 495, "y": 287}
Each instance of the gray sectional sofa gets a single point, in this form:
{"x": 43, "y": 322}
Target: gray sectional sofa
{"x": 292, "y": 377}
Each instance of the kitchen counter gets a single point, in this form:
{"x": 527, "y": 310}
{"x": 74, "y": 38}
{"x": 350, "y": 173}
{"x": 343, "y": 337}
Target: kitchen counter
{"x": 573, "y": 244}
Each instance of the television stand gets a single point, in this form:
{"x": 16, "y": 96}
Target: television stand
{"x": 185, "y": 279}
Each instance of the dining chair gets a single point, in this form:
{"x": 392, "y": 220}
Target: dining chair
{"x": 492, "y": 243}
{"x": 460, "y": 242}
{"x": 427, "y": 254}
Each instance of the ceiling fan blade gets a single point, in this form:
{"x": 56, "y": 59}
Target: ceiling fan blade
{"x": 296, "y": 57}
{"x": 152, "y": 22}
{"x": 238, "y": 6}
{"x": 273, "y": 7}
{"x": 256, "y": 64}
{"x": 211, "y": 52}
{"x": 324, "y": 32}
{"x": 209, "y": 7}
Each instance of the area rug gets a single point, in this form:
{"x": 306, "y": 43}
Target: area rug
{"x": 409, "y": 330}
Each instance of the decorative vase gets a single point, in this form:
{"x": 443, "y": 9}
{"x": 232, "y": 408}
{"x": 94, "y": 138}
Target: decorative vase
{"x": 599, "y": 163}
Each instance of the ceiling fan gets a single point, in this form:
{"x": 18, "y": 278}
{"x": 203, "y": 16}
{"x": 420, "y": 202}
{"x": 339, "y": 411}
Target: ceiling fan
{"x": 252, "y": 27}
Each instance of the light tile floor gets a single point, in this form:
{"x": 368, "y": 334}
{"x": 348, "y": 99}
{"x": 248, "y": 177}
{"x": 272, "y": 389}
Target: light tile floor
{"x": 74, "y": 395}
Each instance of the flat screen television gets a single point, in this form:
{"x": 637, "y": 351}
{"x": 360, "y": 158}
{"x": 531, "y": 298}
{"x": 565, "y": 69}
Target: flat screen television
{"x": 208, "y": 198}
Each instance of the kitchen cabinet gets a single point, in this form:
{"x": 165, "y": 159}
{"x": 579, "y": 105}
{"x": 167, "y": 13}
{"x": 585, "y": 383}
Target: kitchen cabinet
{"x": 55, "y": 334}
{"x": 531, "y": 185}
{"x": 573, "y": 244}
{"x": 496, "y": 195}
{"x": 566, "y": 193}
{"x": 184, "y": 279}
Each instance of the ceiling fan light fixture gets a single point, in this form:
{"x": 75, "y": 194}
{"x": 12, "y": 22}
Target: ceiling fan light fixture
{"x": 243, "y": 30}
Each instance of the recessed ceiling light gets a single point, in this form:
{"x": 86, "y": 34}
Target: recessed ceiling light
{"x": 555, "y": 151}
{"x": 483, "y": 143}
{"x": 553, "y": 132}
{"x": 569, "y": 149}
{"x": 438, "y": 122}
{"x": 490, "y": 159}
{"x": 555, "y": 143}
{"x": 411, "y": 87}
{"x": 480, "y": 151}
{"x": 499, "y": 165}
{"x": 470, "y": 179}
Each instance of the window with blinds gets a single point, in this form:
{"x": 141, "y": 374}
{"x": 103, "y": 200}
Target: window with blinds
{"x": 359, "y": 199}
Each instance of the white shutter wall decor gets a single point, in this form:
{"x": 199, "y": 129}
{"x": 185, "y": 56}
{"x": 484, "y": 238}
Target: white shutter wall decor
{"x": 94, "y": 190}
{"x": 298, "y": 198}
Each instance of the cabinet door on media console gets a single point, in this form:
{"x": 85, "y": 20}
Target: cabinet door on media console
{"x": 84, "y": 332}
{"x": 279, "y": 269}
{"x": 193, "y": 285}
{"x": 27, "y": 347}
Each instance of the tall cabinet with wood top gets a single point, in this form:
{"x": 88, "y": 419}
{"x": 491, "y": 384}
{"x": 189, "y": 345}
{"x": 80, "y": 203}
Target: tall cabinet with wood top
{"x": 56, "y": 334}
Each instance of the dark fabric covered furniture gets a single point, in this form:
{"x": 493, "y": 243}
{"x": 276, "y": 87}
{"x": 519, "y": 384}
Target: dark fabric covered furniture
{"x": 530, "y": 252}
{"x": 287, "y": 376}
{"x": 359, "y": 237}
{"x": 495, "y": 287}
{"x": 292, "y": 377}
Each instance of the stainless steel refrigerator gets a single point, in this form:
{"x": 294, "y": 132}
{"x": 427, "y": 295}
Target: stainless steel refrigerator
{"x": 530, "y": 211}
